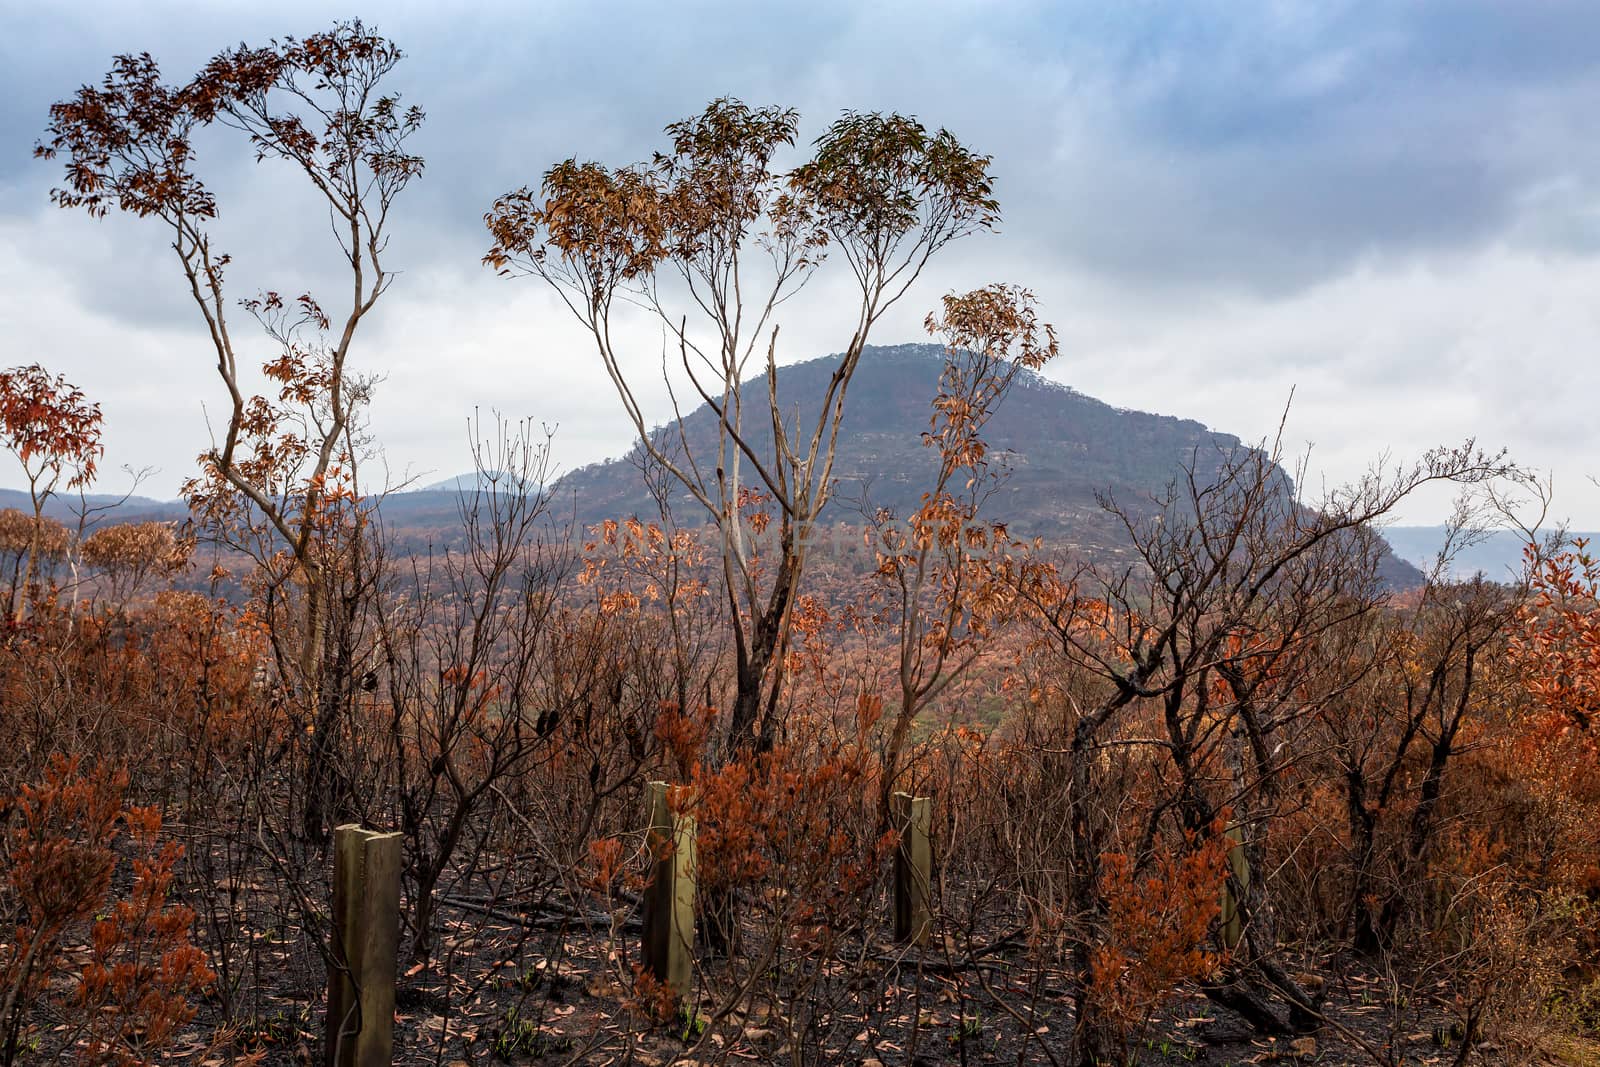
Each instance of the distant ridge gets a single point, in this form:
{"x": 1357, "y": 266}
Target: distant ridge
{"x": 1063, "y": 451}
{"x": 63, "y": 507}
{"x": 1498, "y": 557}
{"x": 469, "y": 481}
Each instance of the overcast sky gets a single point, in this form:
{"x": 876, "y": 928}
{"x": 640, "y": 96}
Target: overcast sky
{"x": 1391, "y": 208}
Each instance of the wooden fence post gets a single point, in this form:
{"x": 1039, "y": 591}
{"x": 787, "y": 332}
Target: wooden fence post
{"x": 668, "y": 945}
{"x": 1231, "y": 922}
{"x": 913, "y": 868}
{"x": 364, "y": 943}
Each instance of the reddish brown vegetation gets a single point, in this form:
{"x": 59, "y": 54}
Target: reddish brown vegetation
{"x": 1228, "y": 766}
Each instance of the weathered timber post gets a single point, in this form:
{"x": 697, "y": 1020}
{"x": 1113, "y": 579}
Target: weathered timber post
{"x": 366, "y": 932}
{"x": 668, "y": 945}
{"x": 913, "y": 868}
{"x": 1232, "y": 923}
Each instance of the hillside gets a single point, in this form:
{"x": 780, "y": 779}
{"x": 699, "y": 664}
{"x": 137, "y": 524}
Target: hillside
{"x": 1060, "y": 447}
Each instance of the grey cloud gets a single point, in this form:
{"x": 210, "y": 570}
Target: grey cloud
{"x": 1211, "y": 142}
{"x": 1215, "y": 200}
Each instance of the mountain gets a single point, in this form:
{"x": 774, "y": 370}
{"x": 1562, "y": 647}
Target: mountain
{"x": 1060, "y": 446}
{"x": 1062, "y": 450}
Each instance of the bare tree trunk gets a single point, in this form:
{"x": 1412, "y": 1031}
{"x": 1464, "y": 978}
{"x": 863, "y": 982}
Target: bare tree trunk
{"x": 1094, "y": 1038}
{"x": 325, "y": 685}
{"x": 19, "y": 604}
{"x": 1363, "y": 839}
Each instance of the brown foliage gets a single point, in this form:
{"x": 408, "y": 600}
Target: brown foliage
{"x": 131, "y": 554}
{"x": 1158, "y": 927}
{"x": 135, "y": 989}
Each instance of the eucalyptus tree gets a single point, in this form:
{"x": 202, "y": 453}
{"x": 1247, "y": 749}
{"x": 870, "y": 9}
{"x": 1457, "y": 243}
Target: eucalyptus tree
{"x": 713, "y": 232}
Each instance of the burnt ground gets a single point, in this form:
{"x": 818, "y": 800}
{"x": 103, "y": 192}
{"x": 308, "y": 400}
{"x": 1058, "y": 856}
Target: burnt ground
{"x": 552, "y": 986}
{"x": 508, "y": 991}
